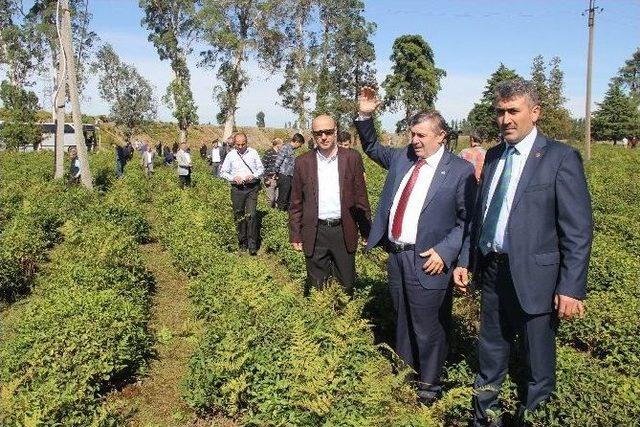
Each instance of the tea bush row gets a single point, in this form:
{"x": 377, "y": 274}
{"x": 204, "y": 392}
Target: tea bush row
{"x": 270, "y": 356}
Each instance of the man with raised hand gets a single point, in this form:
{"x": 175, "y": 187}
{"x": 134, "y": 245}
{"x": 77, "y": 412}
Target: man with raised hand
{"x": 529, "y": 250}
{"x": 422, "y": 219}
{"x": 243, "y": 168}
{"x": 329, "y": 206}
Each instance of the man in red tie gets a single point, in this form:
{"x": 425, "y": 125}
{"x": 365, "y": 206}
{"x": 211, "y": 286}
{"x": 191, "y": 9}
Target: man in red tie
{"x": 422, "y": 218}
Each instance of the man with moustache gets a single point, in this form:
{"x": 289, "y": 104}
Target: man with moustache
{"x": 243, "y": 168}
{"x": 530, "y": 246}
{"x": 329, "y": 206}
{"x": 422, "y": 219}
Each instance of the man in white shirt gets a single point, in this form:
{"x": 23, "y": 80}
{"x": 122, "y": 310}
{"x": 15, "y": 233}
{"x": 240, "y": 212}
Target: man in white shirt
{"x": 215, "y": 157}
{"x": 243, "y": 168}
{"x": 328, "y": 207}
{"x": 422, "y": 219}
{"x": 183, "y": 158}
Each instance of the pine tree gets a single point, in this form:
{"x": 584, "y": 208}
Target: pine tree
{"x": 617, "y": 116}
{"x": 233, "y": 31}
{"x": 482, "y": 117}
{"x": 414, "y": 83}
{"x": 260, "y": 119}
{"x": 173, "y": 28}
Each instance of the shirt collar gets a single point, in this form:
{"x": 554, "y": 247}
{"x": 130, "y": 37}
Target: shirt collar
{"x": 435, "y": 158}
{"x": 524, "y": 147}
{"x": 328, "y": 159}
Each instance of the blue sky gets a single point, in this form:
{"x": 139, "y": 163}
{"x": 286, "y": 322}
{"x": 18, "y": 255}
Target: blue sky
{"x": 469, "y": 39}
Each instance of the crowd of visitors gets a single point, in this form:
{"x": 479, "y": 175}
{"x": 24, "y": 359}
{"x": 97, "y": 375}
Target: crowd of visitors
{"x": 517, "y": 216}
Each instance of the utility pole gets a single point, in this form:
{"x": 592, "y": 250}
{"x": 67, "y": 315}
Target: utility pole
{"x": 81, "y": 146}
{"x": 587, "y": 117}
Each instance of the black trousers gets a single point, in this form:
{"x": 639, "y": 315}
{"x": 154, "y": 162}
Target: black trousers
{"x": 284, "y": 191}
{"x": 185, "y": 181}
{"x": 423, "y": 321}
{"x": 330, "y": 257}
{"x": 244, "y": 200}
{"x": 504, "y": 324}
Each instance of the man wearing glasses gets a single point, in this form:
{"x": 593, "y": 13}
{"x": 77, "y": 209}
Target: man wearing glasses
{"x": 329, "y": 206}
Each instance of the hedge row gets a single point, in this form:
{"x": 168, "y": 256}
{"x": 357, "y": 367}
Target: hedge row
{"x": 84, "y": 328}
{"x": 270, "y": 356}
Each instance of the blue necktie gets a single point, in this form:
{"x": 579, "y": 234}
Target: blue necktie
{"x": 487, "y": 237}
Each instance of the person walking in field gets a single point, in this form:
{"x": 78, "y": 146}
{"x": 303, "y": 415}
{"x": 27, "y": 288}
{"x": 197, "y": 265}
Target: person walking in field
{"x": 147, "y": 161}
{"x": 243, "y": 169}
{"x": 270, "y": 176}
{"x": 183, "y": 158}
{"x": 329, "y": 207}
{"x": 74, "y": 166}
{"x": 284, "y": 168}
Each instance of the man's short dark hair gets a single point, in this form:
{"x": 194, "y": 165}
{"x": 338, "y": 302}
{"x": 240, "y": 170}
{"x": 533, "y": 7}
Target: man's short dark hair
{"x": 512, "y": 88}
{"x": 344, "y": 136}
{"x": 432, "y": 116}
{"x": 238, "y": 134}
{"x": 297, "y": 137}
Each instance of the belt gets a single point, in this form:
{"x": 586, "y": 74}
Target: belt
{"x": 500, "y": 258}
{"x": 331, "y": 222}
{"x": 246, "y": 185}
{"x": 396, "y": 248}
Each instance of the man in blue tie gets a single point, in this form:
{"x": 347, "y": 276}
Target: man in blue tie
{"x": 529, "y": 250}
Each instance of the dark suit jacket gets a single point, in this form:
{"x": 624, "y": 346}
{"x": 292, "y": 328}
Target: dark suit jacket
{"x": 445, "y": 216}
{"x": 354, "y": 202}
{"x": 550, "y": 225}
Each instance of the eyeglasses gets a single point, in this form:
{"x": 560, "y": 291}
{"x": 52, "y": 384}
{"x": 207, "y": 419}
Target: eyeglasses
{"x": 327, "y": 132}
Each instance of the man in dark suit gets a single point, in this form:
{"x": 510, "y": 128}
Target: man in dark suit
{"x": 530, "y": 246}
{"x": 421, "y": 220}
{"x": 324, "y": 220}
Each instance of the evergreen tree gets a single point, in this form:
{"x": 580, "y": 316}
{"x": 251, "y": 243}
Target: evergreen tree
{"x": 350, "y": 55}
{"x": 260, "y": 119}
{"x": 629, "y": 76}
{"x": 617, "y": 116}
{"x": 555, "y": 120}
{"x": 482, "y": 117}
{"x": 20, "y": 128}
{"x": 299, "y": 70}
{"x": 414, "y": 82}
{"x": 234, "y": 31}
{"x": 129, "y": 94}
{"x": 173, "y": 28}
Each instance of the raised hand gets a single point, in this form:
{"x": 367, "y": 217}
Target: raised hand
{"x": 368, "y": 101}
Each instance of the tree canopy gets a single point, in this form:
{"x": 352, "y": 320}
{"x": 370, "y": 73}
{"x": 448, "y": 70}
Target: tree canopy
{"x": 129, "y": 94}
{"x": 617, "y": 115}
{"x": 414, "y": 82}
{"x": 482, "y": 117}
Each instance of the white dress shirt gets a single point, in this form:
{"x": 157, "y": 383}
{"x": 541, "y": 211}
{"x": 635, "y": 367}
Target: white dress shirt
{"x": 328, "y": 187}
{"x": 522, "y": 150}
{"x": 215, "y": 155}
{"x": 416, "y": 199}
{"x": 184, "y": 162}
{"x": 233, "y": 164}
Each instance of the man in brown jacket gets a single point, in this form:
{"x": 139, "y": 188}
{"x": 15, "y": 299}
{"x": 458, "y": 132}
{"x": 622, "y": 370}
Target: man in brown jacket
{"x": 329, "y": 205}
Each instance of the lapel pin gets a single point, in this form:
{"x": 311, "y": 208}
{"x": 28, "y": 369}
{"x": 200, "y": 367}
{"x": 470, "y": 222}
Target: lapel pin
{"x": 442, "y": 172}
{"x": 538, "y": 155}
